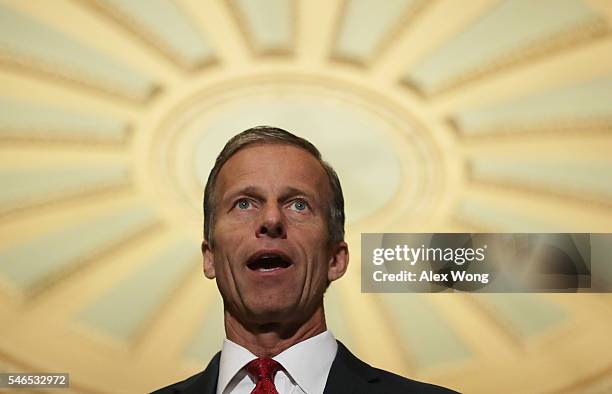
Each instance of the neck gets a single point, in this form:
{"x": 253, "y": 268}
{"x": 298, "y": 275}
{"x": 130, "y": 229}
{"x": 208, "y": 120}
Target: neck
{"x": 270, "y": 339}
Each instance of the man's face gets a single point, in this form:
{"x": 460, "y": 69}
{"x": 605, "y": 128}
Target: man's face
{"x": 270, "y": 252}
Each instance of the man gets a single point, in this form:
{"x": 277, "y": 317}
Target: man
{"x": 274, "y": 241}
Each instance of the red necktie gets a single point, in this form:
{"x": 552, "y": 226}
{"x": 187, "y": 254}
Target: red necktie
{"x": 263, "y": 371}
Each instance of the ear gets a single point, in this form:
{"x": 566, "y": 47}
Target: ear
{"x": 338, "y": 262}
{"x": 208, "y": 260}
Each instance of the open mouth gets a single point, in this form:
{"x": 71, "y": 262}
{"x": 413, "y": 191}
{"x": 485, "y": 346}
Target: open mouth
{"x": 268, "y": 261}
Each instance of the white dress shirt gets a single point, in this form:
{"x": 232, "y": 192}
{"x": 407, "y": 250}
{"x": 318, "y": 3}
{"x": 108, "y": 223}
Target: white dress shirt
{"x": 306, "y": 366}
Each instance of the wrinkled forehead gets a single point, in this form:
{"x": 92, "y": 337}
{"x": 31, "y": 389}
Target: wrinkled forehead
{"x": 273, "y": 168}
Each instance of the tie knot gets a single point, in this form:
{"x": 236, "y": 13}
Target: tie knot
{"x": 263, "y": 368}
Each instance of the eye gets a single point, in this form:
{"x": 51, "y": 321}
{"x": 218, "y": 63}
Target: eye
{"x": 299, "y": 205}
{"x": 243, "y": 204}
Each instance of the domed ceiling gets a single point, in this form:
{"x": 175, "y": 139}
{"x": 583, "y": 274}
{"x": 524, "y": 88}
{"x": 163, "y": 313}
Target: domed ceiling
{"x": 441, "y": 115}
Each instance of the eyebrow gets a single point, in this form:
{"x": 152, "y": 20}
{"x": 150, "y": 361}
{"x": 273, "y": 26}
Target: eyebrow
{"x": 248, "y": 190}
{"x": 292, "y": 191}
{"x": 256, "y": 192}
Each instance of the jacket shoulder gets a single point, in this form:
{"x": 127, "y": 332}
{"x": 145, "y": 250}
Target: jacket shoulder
{"x": 204, "y": 382}
{"x": 393, "y": 383}
{"x": 180, "y": 387}
{"x": 351, "y": 375}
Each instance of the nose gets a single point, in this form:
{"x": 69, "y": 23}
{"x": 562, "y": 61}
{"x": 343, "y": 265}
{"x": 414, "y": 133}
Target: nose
{"x": 272, "y": 223}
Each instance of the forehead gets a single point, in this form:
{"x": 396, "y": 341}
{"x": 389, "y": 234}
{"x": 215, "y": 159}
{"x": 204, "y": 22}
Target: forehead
{"x": 273, "y": 166}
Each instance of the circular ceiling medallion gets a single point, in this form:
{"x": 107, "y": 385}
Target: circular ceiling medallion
{"x": 372, "y": 144}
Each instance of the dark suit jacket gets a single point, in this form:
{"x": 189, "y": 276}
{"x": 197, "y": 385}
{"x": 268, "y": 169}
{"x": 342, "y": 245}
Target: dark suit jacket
{"x": 348, "y": 374}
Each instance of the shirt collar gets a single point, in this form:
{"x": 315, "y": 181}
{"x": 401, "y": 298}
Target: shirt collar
{"x": 316, "y": 353}
{"x": 233, "y": 358}
{"x": 308, "y": 362}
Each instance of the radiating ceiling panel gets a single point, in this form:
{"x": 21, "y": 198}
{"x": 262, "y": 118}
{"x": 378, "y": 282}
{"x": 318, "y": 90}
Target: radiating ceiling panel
{"x": 365, "y": 24}
{"x": 28, "y": 264}
{"x": 336, "y": 318}
{"x": 563, "y": 108}
{"x": 527, "y": 315}
{"x": 126, "y": 305}
{"x": 578, "y": 177}
{"x": 29, "y": 43}
{"x": 165, "y": 26}
{"x": 208, "y": 337}
{"x": 491, "y": 216}
{"x": 428, "y": 340}
{"x": 25, "y": 120}
{"x": 22, "y": 187}
{"x": 399, "y": 145}
{"x": 267, "y": 24}
{"x": 511, "y": 30}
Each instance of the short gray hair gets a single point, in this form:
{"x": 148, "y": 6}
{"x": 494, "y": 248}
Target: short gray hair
{"x": 275, "y": 135}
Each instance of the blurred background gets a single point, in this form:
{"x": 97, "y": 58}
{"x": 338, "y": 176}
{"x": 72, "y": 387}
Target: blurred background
{"x": 439, "y": 115}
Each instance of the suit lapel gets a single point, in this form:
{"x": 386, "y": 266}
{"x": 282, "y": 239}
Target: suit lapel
{"x": 348, "y": 374}
{"x": 206, "y": 383}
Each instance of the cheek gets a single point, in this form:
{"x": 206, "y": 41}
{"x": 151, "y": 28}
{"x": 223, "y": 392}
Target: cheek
{"x": 300, "y": 218}
{"x": 308, "y": 228}
{"x": 222, "y": 261}
{"x": 228, "y": 232}
{"x": 237, "y": 217}
{"x": 317, "y": 254}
